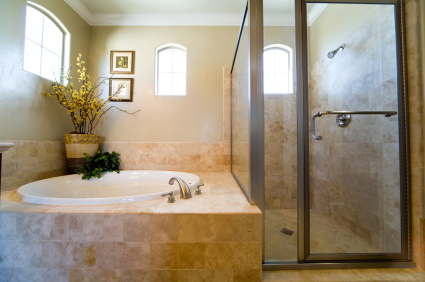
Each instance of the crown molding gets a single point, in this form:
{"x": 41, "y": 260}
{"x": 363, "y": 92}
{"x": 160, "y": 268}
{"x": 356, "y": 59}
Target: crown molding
{"x": 315, "y": 12}
{"x": 166, "y": 20}
{"x": 224, "y": 19}
{"x": 80, "y": 9}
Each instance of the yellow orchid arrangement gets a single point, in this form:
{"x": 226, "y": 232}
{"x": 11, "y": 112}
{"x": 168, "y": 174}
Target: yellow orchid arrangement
{"x": 84, "y": 105}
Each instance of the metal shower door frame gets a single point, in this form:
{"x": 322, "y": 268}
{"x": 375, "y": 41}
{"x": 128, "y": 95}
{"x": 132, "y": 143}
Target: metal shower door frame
{"x": 306, "y": 260}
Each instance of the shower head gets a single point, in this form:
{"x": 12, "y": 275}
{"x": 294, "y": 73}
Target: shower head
{"x": 332, "y": 54}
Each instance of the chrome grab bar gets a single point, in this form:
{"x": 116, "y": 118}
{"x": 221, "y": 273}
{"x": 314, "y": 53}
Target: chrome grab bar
{"x": 319, "y": 114}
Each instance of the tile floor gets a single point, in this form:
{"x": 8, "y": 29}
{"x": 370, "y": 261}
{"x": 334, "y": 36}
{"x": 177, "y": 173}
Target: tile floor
{"x": 345, "y": 275}
{"x": 327, "y": 236}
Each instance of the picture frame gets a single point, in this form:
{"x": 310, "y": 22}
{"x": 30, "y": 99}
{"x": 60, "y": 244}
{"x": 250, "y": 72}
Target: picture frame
{"x": 122, "y": 62}
{"x": 126, "y": 94}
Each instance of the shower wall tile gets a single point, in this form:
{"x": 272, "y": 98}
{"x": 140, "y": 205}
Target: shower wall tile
{"x": 416, "y": 115}
{"x": 29, "y": 161}
{"x": 280, "y": 155}
{"x": 422, "y": 241}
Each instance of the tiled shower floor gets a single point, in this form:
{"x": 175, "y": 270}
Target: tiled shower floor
{"x": 327, "y": 236}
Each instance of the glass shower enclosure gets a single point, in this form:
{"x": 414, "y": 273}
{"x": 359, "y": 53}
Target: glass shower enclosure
{"x": 320, "y": 132}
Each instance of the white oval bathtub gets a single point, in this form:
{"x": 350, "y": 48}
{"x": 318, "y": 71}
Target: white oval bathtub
{"x": 112, "y": 188}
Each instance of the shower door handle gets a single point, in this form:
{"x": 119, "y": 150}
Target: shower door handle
{"x": 319, "y": 114}
{"x": 313, "y": 126}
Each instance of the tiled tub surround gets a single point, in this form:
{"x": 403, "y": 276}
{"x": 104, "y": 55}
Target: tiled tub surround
{"x": 215, "y": 236}
{"x": 30, "y": 161}
{"x": 355, "y": 170}
{"x": 184, "y": 156}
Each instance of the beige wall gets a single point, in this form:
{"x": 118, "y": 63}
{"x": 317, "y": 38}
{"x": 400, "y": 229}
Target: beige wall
{"x": 24, "y": 113}
{"x": 196, "y": 117}
{"x": 327, "y": 35}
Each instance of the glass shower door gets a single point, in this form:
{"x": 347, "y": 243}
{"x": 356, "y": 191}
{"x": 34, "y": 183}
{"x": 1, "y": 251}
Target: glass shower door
{"x": 356, "y": 189}
{"x": 280, "y": 132}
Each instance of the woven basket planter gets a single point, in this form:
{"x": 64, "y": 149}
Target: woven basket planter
{"x": 78, "y": 144}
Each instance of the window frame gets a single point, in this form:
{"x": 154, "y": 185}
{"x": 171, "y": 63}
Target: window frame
{"x": 158, "y": 50}
{"x": 287, "y": 49}
{"x": 66, "y": 39}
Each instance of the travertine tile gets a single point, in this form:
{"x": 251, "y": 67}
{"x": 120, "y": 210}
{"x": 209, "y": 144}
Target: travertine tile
{"x": 6, "y": 273}
{"x": 7, "y": 254}
{"x": 378, "y": 275}
{"x": 27, "y": 253}
{"x": 7, "y": 226}
{"x": 150, "y": 275}
{"x": 247, "y": 227}
{"x": 68, "y": 254}
{"x": 42, "y": 226}
{"x": 122, "y": 255}
{"x": 247, "y": 275}
{"x": 205, "y": 228}
{"x": 233, "y": 255}
{"x": 21, "y": 274}
{"x": 247, "y": 255}
{"x": 100, "y": 275}
{"x": 163, "y": 228}
{"x": 177, "y": 256}
{"x": 95, "y": 227}
{"x": 136, "y": 227}
{"x": 29, "y": 161}
{"x": 204, "y": 275}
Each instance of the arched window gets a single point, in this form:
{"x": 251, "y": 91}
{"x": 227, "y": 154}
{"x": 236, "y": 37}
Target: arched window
{"x": 170, "y": 76}
{"x": 278, "y": 69}
{"x": 46, "y": 43}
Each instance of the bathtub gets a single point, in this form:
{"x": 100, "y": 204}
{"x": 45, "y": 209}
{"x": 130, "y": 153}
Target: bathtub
{"x": 112, "y": 188}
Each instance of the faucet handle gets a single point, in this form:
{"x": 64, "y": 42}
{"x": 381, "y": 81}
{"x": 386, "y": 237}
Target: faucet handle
{"x": 198, "y": 189}
{"x": 171, "y": 198}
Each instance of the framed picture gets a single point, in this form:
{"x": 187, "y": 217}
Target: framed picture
{"x": 122, "y": 62}
{"x": 126, "y": 93}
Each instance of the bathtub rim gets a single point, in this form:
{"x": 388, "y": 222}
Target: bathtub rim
{"x": 96, "y": 201}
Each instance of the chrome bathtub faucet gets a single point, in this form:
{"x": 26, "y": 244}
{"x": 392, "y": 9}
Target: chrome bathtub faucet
{"x": 184, "y": 188}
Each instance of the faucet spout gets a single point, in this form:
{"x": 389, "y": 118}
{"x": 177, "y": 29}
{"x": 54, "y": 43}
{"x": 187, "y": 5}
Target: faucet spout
{"x": 184, "y": 188}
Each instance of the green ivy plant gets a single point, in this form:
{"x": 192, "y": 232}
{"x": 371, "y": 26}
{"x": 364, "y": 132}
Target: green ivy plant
{"x": 100, "y": 163}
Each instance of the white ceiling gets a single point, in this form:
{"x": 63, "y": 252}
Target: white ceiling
{"x": 183, "y": 12}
